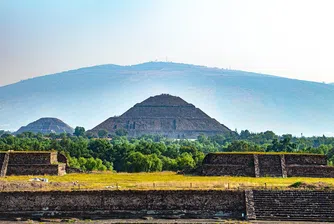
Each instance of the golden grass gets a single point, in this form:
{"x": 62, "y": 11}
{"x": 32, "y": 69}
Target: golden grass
{"x": 151, "y": 181}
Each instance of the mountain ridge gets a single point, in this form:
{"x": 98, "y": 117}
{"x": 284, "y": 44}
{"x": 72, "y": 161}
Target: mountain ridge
{"x": 99, "y": 66}
{"x": 241, "y": 100}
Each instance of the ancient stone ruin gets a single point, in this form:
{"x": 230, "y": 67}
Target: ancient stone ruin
{"x": 266, "y": 164}
{"x": 278, "y": 205}
{"x": 165, "y": 115}
{"x": 32, "y": 163}
{"x": 46, "y": 125}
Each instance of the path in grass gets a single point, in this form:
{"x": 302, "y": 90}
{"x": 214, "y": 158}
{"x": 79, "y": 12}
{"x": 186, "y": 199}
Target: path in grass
{"x": 161, "y": 180}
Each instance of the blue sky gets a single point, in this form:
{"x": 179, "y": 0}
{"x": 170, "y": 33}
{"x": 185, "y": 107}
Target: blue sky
{"x": 286, "y": 38}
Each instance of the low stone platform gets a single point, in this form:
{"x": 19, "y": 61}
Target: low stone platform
{"x": 266, "y": 165}
{"x": 290, "y": 205}
{"x": 32, "y": 163}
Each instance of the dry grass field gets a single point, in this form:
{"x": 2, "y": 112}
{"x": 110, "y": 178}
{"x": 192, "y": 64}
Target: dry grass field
{"x": 145, "y": 181}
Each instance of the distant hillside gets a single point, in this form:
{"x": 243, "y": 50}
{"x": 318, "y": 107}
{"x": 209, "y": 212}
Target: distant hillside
{"x": 46, "y": 126}
{"x": 238, "y": 99}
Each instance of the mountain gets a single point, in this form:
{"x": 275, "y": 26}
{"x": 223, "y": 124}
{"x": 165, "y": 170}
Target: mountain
{"x": 238, "y": 99}
{"x": 46, "y": 126}
{"x": 165, "y": 115}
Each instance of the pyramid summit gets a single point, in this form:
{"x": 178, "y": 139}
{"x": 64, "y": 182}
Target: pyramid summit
{"x": 164, "y": 100}
{"x": 47, "y": 125}
{"x": 165, "y": 115}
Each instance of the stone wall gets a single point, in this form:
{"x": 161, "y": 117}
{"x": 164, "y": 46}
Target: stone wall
{"x": 227, "y": 158}
{"x": 61, "y": 169}
{"x": 2, "y": 157}
{"x": 33, "y": 163}
{"x": 262, "y": 165}
{"x": 302, "y": 159}
{"x": 52, "y": 169}
{"x": 310, "y": 171}
{"x": 29, "y": 158}
{"x": 124, "y": 204}
{"x": 53, "y": 157}
{"x": 228, "y": 165}
{"x": 228, "y": 170}
{"x": 270, "y": 165}
{"x": 286, "y": 205}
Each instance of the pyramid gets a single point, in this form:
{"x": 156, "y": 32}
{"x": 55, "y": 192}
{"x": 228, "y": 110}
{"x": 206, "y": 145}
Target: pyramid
{"x": 165, "y": 115}
{"x": 47, "y": 125}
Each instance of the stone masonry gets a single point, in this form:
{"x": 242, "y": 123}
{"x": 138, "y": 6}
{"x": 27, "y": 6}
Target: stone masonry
{"x": 266, "y": 165}
{"x": 165, "y": 115}
{"x": 288, "y": 205}
{"x": 124, "y": 204}
{"x": 31, "y": 163}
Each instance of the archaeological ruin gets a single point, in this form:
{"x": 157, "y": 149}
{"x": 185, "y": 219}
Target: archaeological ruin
{"x": 165, "y": 115}
{"x": 46, "y": 125}
{"x": 266, "y": 165}
{"x": 32, "y": 163}
{"x": 288, "y": 205}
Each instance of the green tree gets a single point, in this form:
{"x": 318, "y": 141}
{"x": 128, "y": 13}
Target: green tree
{"x": 155, "y": 164}
{"x": 101, "y": 148}
{"x": 91, "y": 164}
{"x": 79, "y": 131}
{"x": 185, "y": 161}
{"x": 102, "y": 133}
{"x": 137, "y": 162}
{"x": 169, "y": 164}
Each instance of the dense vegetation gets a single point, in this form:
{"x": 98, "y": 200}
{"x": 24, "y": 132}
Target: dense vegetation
{"x": 156, "y": 153}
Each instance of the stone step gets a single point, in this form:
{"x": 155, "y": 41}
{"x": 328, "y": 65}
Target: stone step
{"x": 295, "y": 215}
{"x": 294, "y": 198}
{"x": 277, "y": 212}
{"x": 294, "y": 205}
{"x": 316, "y": 219}
{"x": 289, "y": 194}
{"x": 298, "y": 204}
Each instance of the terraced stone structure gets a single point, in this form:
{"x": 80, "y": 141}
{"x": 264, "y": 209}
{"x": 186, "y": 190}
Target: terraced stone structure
{"x": 46, "y": 125}
{"x": 32, "y": 163}
{"x": 165, "y": 115}
{"x": 289, "y": 205}
{"x": 266, "y": 164}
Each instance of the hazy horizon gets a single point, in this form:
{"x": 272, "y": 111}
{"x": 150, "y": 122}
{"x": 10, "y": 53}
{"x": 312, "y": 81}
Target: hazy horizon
{"x": 125, "y": 65}
{"x": 281, "y": 38}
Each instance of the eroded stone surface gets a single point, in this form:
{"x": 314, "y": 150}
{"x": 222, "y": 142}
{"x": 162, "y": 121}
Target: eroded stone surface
{"x": 46, "y": 126}
{"x": 263, "y": 165}
{"x": 32, "y": 163}
{"x": 164, "y": 115}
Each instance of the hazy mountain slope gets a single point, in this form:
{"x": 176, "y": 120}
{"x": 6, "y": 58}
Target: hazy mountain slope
{"x": 237, "y": 99}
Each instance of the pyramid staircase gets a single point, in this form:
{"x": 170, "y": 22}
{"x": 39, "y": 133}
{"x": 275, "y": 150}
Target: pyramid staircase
{"x": 291, "y": 205}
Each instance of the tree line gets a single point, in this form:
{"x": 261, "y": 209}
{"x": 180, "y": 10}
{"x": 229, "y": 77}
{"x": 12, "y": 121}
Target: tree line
{"x": 156, "y": 153}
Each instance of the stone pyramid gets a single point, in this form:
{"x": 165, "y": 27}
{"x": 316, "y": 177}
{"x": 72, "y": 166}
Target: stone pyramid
{"x": 165, "y": 115}
{"x": 47, "y": 125}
